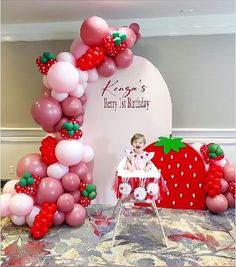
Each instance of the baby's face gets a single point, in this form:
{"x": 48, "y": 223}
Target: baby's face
{"x": 138, "y": 145}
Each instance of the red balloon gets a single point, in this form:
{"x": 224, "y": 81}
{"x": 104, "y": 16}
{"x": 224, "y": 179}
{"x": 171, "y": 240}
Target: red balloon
{"x": 224, "y": 185}
{"x": 217, "y": 204}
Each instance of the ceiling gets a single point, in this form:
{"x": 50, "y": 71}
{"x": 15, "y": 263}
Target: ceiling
{"x": 32, "y": 11}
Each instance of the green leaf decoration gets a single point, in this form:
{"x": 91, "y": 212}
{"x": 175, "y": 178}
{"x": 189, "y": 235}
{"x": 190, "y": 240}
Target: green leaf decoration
{"x": 30, "y": 180}
{"x": 213, "y": 147}
{"x": 122, "y": 36}
{"x": 23, "y": 182}
{"x": 117, "y": 41}
{"x": 169, "y": 144}
{"x": 71, "y": 133}
{"x": 92, "y": 195}
{"x": 90, "y": 188}
{"x": 27, "y": 175}
{"x": 212, "y": 155}
{"x": 49, "y": 55}
{"x": 76, "y": 127}
{"x": 85, "y": 193}
{"x": 219, "y": 152}
{"x": 44, "y": 60}
{"x": 68, "y": 126}
{"x": 115, "y": 34}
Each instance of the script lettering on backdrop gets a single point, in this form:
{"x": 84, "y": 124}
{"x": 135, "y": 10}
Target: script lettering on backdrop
{"x": 128, "y": 97}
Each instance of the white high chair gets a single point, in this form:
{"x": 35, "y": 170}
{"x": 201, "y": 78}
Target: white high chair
{"x": 127, "y": 191}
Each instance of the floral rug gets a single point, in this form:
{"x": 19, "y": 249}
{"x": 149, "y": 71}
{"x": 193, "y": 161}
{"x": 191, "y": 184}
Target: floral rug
{"x": 195, "y": 238}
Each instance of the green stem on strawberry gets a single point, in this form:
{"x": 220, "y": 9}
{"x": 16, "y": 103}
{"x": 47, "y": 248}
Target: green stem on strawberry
{"x": 169, "y": 144}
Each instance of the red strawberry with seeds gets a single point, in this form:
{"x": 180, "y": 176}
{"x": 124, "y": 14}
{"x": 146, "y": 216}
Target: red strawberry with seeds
{"x": 84, "y": 201}
{"x": 45, "y": 62}
{"x": 183, "y": 170}
{"x": 114, "y": 43}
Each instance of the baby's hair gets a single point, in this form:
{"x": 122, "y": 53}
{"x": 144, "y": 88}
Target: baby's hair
{"x": 138, "y": 136}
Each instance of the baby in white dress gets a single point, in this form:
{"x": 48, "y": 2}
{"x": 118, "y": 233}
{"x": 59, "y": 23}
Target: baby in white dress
{"x": 137, "y": 158}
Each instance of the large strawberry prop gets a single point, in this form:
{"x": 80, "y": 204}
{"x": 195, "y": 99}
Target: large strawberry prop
{"x": 183, "y": 170}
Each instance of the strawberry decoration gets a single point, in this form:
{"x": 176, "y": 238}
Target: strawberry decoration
{"x": 45, "y": 62}
{"x": 213, "y": 180}
{"x": 92, "y": 58}
{"x": 82, "y": 186}
{"x": 28, "y": 184}
{"x": 71, "y": 130}
{"x": 183, "y": 171}
{"x": 231, "y": 188}
{"x": 211, "y": 152}
{"x": 47, "y": 150}
{"x": 114, "y": 43}
{"x": 88, "y": 192}
{"x": 84, "y": 201}
{"x": 43, "y": 221}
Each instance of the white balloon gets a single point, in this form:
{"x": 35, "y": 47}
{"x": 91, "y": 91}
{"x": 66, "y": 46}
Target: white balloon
{"x": 221, "y": 162}
{"x": 18, "y": 220}
{"x": 69, "y": 152}
{"x": 59, "y": 96}
{"x": 30, "y": 218}
{"x": 78, "y": 92}
{"x": 9, "y": 187}
{"x": 92, "y": 75}
{"x": 57, "y": 170}
{"x": 66, "y": 57}
{"x": 5, "y": 200}
{"x": 84, "y": 85}
{"x": 83, "y": 76}
{"x": 88, "y": 154}
{"x": 45, "y": 82}
{"x": 21, "y": 204}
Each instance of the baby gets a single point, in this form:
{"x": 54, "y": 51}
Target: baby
{"x": 137, "y": 159}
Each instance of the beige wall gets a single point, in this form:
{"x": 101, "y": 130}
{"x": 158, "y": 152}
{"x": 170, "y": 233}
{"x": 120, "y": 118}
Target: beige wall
{"x": 199, "y": 71}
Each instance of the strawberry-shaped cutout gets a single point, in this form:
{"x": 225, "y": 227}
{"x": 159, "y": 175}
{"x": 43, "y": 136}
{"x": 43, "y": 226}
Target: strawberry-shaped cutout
{"x": 183, "y": 171}
{"x": 71, "y": 130}
{"x": 114, "y": 43}
{"x": 45, "y": 62}
{"x": 28, "y": 184}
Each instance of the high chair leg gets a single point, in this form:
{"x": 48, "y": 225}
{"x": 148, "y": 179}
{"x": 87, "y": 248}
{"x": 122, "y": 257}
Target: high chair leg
{"x": 159, "y": 219}
{"x": 117, "y": 204}
{"x": 117, "y": 222}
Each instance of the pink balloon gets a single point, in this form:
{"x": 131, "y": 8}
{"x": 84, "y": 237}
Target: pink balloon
{"x": 217, "y": 204}
{"x": 70, "y": 181}
{"x": 80, "y": 119}
{"x": 78, "y": 92}
{"x": 88, "y": 179}
{"x": 231, "y": 200}
{"x": 45, "y": 83}
{"x": 112, "y": 29}
{"x": 124, "y": 59}
{"x": 83, "y": 76}
{"x": 63, "y": 77}
{"x": 130, "y": 36}
{"x": 78, "y": 48}
{"x": 65, "y": 202}
{"x": 46, "y": 111}
{"x": 229, "y": 172}
{"x": 224, "y": 185}
{"x": 76, "y": 216}
{"x": 66, "y": 57}
{"x": 21, "y": 205}
{"x": 30, "y": 217}
{"x": 57, "y": 170}
{"x": 76, "y": 195}
{"x": 45, "y": 91}
{"x": 9, "y": 187}
{"x": 107, "y": 68}
{"x": 48, "y": 129}
{"x": 93, "y": 30}
{"x": 83, "y": 99}
{"x": 60, "y": 124}
{"x": 80, "y": 169}
{"x": 92, "y": 75}
{"x": 18, "y": 220}
{"x": 5, "y": 200}
{"x": 49, "y": 190}
{"x": 31, "y": 163}
{"x": 72, "y": 106}
{"x": 58, "y": 217}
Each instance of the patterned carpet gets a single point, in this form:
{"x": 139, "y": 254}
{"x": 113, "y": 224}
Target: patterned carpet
{"x": 195, "y": 238}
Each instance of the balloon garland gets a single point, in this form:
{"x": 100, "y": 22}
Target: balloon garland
{"x": 55, "y": 184}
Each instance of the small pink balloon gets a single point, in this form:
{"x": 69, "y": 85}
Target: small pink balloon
{"x": 78, "y": 48}
{"x": 65, "y": 202}
{"x": 31, "y": 163}
{"x": 9, "y": 187}
{"x": 92, "y": 75}
{"x": 58, "y": 217}
{"x": 76, "y": 216}
{"x": 93, "y": 30}
{"x": 229, "y": 172}
{"x": 80, "y": 119}
{"x": 83, "y": 76}
{"x": 66, "y": 57}
{"x": 80, "y": 169}
{"x": 30, "y": 217}
{"x": 60, "y": 124}
{"x": 18, "y": 220}
{"x": 45, "y": 83}
{"x": 107, "y": 68}
{"x": 83, "y": 99}
{"x": 63, "y": 77}
{"x": 231, "y": 200}
{"x": 76, "y": 195}
{"x": 130, "y": 36}
{"x": 21, "y": 205}
{"x": 45, "y": 91}
{"x": 46, "y": 111}
{"x": 5, "y": 200}
{"x": 72, "y": 106}
{"x": 49, "y": 190}
{"x": 217, "y": 204}
{"x": 88, "y": 179}
{"x": 124, "y": 59}
{"x": 224, "y": 185}
{"x": 70, "y": 181}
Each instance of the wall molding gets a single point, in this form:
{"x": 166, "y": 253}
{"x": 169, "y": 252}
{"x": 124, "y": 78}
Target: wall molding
{"x": 190, "y": 135}
{"x": 150, "y": 27}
